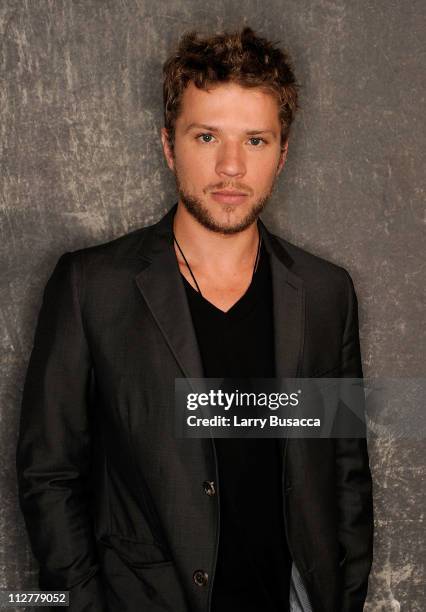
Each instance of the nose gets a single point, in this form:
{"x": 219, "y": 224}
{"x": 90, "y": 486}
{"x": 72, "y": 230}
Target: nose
{"x": 231, "y": 160}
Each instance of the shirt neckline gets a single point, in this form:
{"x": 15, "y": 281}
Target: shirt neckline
{"x": 240, "y": 304}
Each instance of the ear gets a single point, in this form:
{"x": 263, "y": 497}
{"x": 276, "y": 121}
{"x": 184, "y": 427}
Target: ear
{"x": 283, "y": 157}
{"x": 168, "y": 153}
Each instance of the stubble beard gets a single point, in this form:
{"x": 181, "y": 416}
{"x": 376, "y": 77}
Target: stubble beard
{"x": 196, "y": 208}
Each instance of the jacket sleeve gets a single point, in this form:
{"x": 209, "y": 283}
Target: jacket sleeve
{"x": 354, "y": 483}
{"x": 54, "y": 446}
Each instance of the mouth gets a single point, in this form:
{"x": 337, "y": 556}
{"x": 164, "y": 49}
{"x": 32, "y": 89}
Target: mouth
{"x": 229, "y": 196}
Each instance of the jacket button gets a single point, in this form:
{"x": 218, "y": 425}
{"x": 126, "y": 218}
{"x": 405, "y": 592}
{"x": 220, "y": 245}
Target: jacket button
{"x": 209, "y": 489}
{"x": 200, "y": 577}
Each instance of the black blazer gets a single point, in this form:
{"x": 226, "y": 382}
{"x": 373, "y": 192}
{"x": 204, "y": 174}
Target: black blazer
{"x": 114, "y": 503}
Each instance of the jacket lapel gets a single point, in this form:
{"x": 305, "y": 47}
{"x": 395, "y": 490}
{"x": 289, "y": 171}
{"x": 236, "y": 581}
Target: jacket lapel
{"x": 289, "y": 314}
{"x": 162, "y": 288}
{"x": 288, "y": 308}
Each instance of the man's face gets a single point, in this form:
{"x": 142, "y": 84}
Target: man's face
{"x": 227, "y": 154}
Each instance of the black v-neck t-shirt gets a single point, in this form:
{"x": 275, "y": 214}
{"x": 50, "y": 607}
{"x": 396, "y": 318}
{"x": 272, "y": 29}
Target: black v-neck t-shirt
{"x": 253, "y": 565}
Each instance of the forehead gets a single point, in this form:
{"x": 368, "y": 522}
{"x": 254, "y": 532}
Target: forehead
{"x": 229, "y": 104}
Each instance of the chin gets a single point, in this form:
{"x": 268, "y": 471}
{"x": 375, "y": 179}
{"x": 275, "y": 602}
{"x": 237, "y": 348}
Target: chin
{"x": 230, "y": 217}
{"x": 230, "y": 223}
{"x": 223, "y": 218}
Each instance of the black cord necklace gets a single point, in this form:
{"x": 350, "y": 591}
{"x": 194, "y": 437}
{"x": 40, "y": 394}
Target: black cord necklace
{"x": 256, "y": 262}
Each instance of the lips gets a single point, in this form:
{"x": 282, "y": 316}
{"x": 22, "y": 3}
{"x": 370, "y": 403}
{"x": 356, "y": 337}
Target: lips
{"x": 229, "y": 197}
{"x": 229, "y": 193}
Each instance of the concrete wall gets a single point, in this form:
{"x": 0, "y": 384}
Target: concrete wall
{"x": 80, "y": 112}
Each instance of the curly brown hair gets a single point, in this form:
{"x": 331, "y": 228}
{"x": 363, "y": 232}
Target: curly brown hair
{"x": 240, "y": 57}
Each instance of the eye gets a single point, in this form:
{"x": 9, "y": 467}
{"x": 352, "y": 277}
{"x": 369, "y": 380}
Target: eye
{"x": 205, "y": 138}
{"x": 256, "y": 141}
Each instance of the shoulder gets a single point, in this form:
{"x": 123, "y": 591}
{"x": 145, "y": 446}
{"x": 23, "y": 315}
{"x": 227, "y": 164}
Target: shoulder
{"x": 329, "y": 301}
{"x": 328, "y": 287}
{"x": 100, "y": 272}
{"x": 310, "y": 268}
{"x": 121, "y": 254}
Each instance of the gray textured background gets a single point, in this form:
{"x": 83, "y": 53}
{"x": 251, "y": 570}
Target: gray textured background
{"x": 80, "y": 113}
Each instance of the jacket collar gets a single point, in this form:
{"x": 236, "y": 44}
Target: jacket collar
{"x": 160, "y": 283}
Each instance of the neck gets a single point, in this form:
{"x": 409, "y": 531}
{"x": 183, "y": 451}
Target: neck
{"x": 211, "y": 251}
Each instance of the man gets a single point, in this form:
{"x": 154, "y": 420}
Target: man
{"x": 120, "y": 511}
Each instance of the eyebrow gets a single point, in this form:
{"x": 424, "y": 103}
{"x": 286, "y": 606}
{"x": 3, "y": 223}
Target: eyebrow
{"x": 212, "y": 128}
